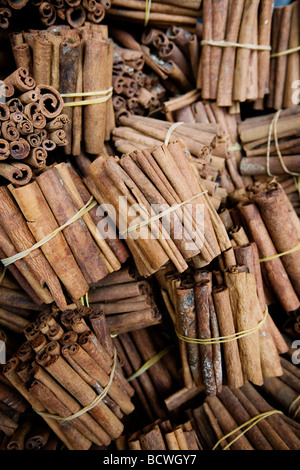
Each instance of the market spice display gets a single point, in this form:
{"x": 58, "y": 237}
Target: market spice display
{"x": 149, "y": 226}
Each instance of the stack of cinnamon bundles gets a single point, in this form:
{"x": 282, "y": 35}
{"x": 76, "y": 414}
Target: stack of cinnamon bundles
{"x": 149, "y": 226}
{"x": 66, "y": 362}
{"x": 76, "y": 62}
{"x": 32, "y": 125}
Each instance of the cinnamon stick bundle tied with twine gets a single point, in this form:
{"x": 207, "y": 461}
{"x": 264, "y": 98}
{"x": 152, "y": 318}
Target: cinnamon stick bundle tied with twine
{"x": 129, "y": 182}
{"x": 221, "y": 341}
{"x": 284, "y": 66}
{"x": 271, "y": 144}
{"x": 62, "y": 232}
{"x": 236, "y": 48}
{"x": 75, "y": 382}
{"x": 32, "y": 125}
{"x": 78, "y": 63}
{"x": 243, "y": 419}
{"x": 269, "y": 219}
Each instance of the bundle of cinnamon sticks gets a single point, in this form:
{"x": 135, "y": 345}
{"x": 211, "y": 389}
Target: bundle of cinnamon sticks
{"x": 77, "y": 63}
{"x": 144, "y": 190}
{"x": 268, "y": 137}
{"x": 32, "y": 125}
{"x": 161, "y": 435}
{"x": 284, "y": 65}
{"x": 68, "y": 260}
{"x": 243, "y": 419}
{"x": 160, "y": 14}
{"x": 127, "y": 301}
{"x": 213, "y": 313}
{"x": 66, "y": 362}
{"x": 235, "y": 54}
{"x": 265, "y": 215}
{"x": 149, "y": 362}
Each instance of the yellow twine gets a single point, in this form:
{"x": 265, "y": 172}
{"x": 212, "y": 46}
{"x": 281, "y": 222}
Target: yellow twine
{"x": 94, "y": 403}
{"x": 250, "y": 423}
{"x": 291, "y": 406}
{"x": 3, "y": 338}
{"x": 85, "y": 300}
{"x": 3, "y": 274}
{"x": 147, "y": 12}
{"x": 171, "y": 129}
{"x": 297, "y": 183}
{"x": 150, "y": 363}
{"x": 235, "y": 147}
{"x": 258, "y": 47}
{"x": 107, "y": 94}
{"x": 287, "y": 51}
{"x": 278, "y": 255}
{"x": 87, "y": 207}
{"x": 162, "y": 214}
{"x": 274, "y": 125}
{"x": 224, "y": 339}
